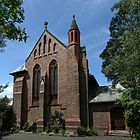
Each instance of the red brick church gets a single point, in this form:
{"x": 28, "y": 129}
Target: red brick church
{"x": 56, "y": 77}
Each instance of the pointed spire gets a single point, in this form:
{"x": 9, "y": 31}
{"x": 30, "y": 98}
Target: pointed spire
{"x": 73, "y": 24}
{"x": 73, "y": 34}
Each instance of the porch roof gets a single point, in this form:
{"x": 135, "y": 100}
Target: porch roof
{"x": 108, "y": 94}
{"x": 19, "y": 69}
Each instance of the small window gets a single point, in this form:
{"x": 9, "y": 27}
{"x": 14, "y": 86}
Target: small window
{"x": 39, "y": 50}
{"x": 76, "y": 37}
{"x": 49, "y": 45}
{"x": 72, "y": 36}
{"x": 35, "y": 51}
{"x": 54, "y": 47}
{"x": 44, "y": 44}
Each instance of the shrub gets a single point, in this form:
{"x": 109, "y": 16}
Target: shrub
{"x": 55, "y": 122}
{"x": 80, "y": 131}
{"x": 85, "y": 131}
{"x": 34, "y": 127}
{"x": 88, "y": 132}
{"x": 30, "y": 127}
{"x": 136, "y": 134}
{"x": 26, "y": 127}
{"x": 15, "y": 130}
{"x": 62, "y": 132}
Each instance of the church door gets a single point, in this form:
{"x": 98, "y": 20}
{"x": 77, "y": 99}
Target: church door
{"x": 117, "y": 118}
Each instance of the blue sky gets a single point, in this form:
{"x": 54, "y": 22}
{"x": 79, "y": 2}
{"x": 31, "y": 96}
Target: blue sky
{"x": 93, "y": 19}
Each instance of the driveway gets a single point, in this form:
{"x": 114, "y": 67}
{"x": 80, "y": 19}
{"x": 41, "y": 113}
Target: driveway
{"x": 43, "y": 137}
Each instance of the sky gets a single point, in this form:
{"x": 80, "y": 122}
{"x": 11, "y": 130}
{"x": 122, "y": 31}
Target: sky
{"x": 92, "y": 16}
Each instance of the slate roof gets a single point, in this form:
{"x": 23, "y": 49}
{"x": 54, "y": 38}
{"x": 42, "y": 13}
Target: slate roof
{"x": 19, "y": 69}
{"x": 108, "y": 94}
{"x": 73, "y": 24}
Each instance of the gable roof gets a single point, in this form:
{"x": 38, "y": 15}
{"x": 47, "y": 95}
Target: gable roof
{"x": 40, "y": 38}
{"x": 106, "y": 97}
{"x": 22, "y": 68}
{"x": 55, "y": 38}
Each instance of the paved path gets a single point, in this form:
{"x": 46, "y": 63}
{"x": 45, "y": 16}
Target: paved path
{"x": 43, "y": 137}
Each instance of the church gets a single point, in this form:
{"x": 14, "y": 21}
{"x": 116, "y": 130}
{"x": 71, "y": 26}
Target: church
{"x": 56, "y": 77}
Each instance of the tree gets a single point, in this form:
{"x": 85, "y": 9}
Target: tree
{"x": 3, "y": 87}
{"x": 6, "y": 113}
{"x": 11, "y": 15}
{"x": 130, "y": 100}
{"x": 121, "y": 57}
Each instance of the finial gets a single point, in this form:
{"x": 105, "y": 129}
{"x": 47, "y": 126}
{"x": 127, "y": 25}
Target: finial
{"x": 73, "y": 24}
{"x": 45, "y": 25}
{"x": 73, "y": 16}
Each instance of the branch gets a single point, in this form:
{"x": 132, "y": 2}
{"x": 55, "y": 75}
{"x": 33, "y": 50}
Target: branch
{"x": 3, "y": 87}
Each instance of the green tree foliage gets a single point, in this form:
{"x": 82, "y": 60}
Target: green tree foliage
{"x": 121, "y": 58}
{"x": 11, "y": 15}
{"x": 6, "y": 114}
{"x": 130, "y": 100}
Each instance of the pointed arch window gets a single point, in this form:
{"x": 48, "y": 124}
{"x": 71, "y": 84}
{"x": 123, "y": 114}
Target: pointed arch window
{"x": 35, "y": 52}
{"x": 54, "y": 47}
{"x": 39, "y": 49}
{"x": 49, "y": 46}
{"x": 44, "y": 44}
{"x": 36, "y": 82}
{"x": 53, "y": 82}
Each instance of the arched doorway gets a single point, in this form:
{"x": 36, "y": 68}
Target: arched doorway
{"x": 117, "y": 118}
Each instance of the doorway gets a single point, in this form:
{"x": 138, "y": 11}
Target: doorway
{"x": 117, "y": 118}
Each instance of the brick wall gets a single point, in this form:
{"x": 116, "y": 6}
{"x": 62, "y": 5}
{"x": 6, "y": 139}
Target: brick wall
{"x": 83, "y": 74}
{"x": 44, "y": 60}
{"x": 17, "y": 98}
{"x": 100, "y": 115}
{"x": 72, "y": 84}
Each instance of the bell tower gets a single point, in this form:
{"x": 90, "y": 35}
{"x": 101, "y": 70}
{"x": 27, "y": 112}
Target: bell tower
{"x": 73, "y": 34}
